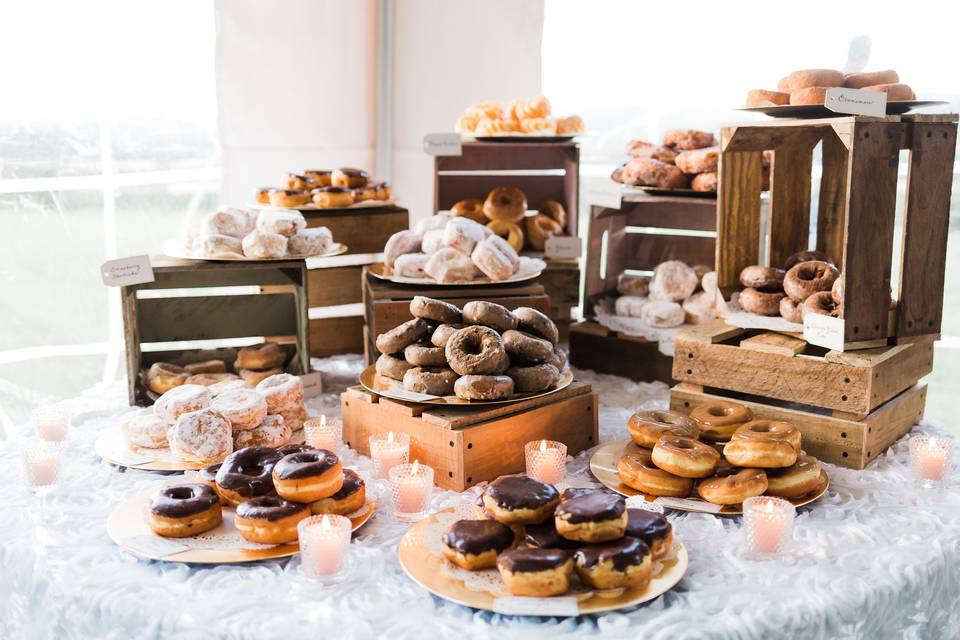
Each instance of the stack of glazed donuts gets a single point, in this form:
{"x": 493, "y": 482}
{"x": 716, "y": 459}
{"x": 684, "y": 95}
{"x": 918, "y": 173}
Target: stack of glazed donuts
{"x": 520, "y": 118}
{"x": 485, "y": 352}
{"x": 539, "y": 538}
{"x": 719, "y": 452}
{"x": 808, "y": 283}
{"x": 257, "y": 234}
{"x": 809, "y": 86}
{"x": 676, "y": 294}
{"x": 272, "y": 489}
{"x": 326, "y": 189}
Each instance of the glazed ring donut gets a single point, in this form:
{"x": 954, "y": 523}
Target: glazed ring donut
{"x": 391, "y": 367}
{"x": 771, "y": 453}
{"x": 791, "y": 310}
{"x": 351, "y": 497}
{"x": 718, "y": 420}
{"x": 764, "y": 303}
{"x": 184, "y": 510}
{"x": 436, "y": 381}
{"x": 505, "y": 203}
{"x": 637, "y": 471}
{"x": 807, "y": 278}
{"x": 766, "y": 278}
{"x": 822, "y": 303}
{"x": 206, "y": 366}
{"x": 272, "y": 432}
{"x": 202, "y": 436}
{"x": 264, "y": 356}
{"x": 555, "y": 210}
{"x": 794, "y": 481}
{"x": 244, "y": 408}
{"x": 520, "y": 499}
{"x": 685, "y": 457}
{"x": 288, "y": 198}
{"x": 647, "y": 427}
{"x": 509, "y": 231}
{"x": 424, "y": 354}
{"x": 765, "y": 430}
{"x": 489, "y": 314}
{"x": 533, "y": 379}
{"x": 475, "y": 544}
{"x": 537, "y": 323}
{"x": 398, "y": 338}
{"x": 269, "y": 519}
{"x": 806, "y": 256}
{"x": 494, "y": 387}
{"x": 734, "y": 487}
{"x": 597, "y": 516}
{"x": 282, "y": 392}
{"x": 539, "y": 228}
{"x": 476, "y": 350}
{"x": 614, "y": 565}
{"x": 469, "y": 208}
{"x": 442, "y": 333}
{"x": 180, "y": 400}
{"x": 163, "y": 376}
{"x": 535, "y": 572}
{"x": 434, "y": 310}
{"x": 246, "y": 474}
{"x": 308, "y": 476}
{"x": 525, "y": 348}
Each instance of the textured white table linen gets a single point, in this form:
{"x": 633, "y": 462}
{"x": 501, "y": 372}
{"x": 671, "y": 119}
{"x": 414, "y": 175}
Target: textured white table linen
{"x": 877, "y": 557}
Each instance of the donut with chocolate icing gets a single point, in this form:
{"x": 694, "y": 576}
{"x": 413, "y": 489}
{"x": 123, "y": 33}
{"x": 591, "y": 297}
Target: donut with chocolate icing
{"x": 269, "y": 519}
{"x": 651, "y": 527}
{"x": 349, "y": 177}
{"x": 626, "y": 562}
{"x": 308, "y": 476}
{"x": 546, "y": 536}
{"x": 685, "y": 457}
{"x": 246, "y": 474}
{"x": 520, "y": 499}
{"x": 536, "y": 572}
{"x": 208, "y": 475}
{"x": 637, "y": 471}
{"x": 647, "y": 427}
{"x": 597, "y": 516}
{"x": 183, "y": 510}
{"x": 351, "y": 496}
{"x": 475, "y": 544}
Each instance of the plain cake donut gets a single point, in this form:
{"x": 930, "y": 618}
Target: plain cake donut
{"x": 434, "y": 310}
{"x": 534, "y": 378}
{"x": 476, "y": 350}
{"x": 473, "y": 387}
{"x": 391, "y": 367}
{"x": 764, "y": 303}
{"x": 807, "y": 278}
{"x": 489, "y": 314}
{"x": 537, "y": 323}
{"x": 435, "y": 381}
{"x": 525, "y": 348}
{"x": 397, "y": 339}
{"x": 424, "y": 354}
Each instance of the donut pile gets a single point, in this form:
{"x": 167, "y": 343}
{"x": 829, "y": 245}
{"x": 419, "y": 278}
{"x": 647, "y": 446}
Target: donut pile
{"x": 808, "y": 283}
{"x": 257, "y": 234}
{"x": 539, "y": 538}
{"x": 521, "y": 118}
{"x": 720, "y": 451}
{"x": 676, "y": 294}
{"x": 485, "y": 352}
{"x": 504, "y": 212}
{"x": 687, "y": 159}
{"x": 449, "y": 249}
{"x": 809, "y": 86}
{"x": 272, "y": 488}
{"x": 325, "y": 189}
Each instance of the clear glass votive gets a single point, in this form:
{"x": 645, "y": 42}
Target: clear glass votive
{"x": 931, "y": 458}
{"x": 41, "y": 465}
{"x": 546, "y": 460}
{"x": 411, "y": 487}
{"x": 388, "y": 450}
{"x": 769, "y": 524}
{"x": 323, "y": 433}
{"x": 324, "y": 545}
{"x": 51, "y": 423}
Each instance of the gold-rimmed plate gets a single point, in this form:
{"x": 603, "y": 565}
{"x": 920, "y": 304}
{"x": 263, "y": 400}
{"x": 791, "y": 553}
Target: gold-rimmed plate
{"x": 663, "y": 191}
{"x": 603, "y": 465}
{"x": 894, "y": 107}
{"x": 378, "y": 270}
{"x": 338, "y": 248}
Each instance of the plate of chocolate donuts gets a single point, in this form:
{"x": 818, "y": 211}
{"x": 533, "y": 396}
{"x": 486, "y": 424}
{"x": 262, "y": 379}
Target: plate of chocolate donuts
{"x": 711, "y": 460}
{"x": 527, "y": 548}
{"x": 244, "y": 509}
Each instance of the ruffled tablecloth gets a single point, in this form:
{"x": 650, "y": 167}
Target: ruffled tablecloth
{"x": 877, "y": 557}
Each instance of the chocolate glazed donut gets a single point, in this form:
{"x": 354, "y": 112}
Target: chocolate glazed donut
{"x": 246, "y": 474}
{"x": 183, "y": 500}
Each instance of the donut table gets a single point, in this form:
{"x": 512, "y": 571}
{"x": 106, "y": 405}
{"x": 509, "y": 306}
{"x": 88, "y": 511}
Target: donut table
{"x": 876, "y": 557}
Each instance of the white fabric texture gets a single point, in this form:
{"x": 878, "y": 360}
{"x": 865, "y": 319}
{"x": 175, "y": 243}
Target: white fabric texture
{"x": 877, "y": 557}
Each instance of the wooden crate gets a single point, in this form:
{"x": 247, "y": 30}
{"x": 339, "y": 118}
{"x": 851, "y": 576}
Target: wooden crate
{"x": 467, "y": 445}
{"x": 840, "y": 439}
{"x": 153, "y": 315}
{"x": 856, "y": 211}
{"x": 594, "y": 346}
{"x": 542, "y": 170}
{"x": 387, "y": 305}
{"x": 785, "y": 367}
{"x": 561, "y": 283}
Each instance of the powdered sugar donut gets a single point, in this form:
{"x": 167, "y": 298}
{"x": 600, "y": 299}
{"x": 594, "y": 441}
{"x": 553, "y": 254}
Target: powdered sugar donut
{"x": 310, "y": 242}
{"x": 673, "y": 281}
{"x": 180, "y": 400}
{"x": 215, "y": 246}
{"x": 630, "y": 306}
{"x": 272, "y": 432}
{"x": 698, "y": 308}
{"x": 263, "y": 244}
{"x": 145, "y": 429}
{"x": 295, "y": 417}
{"x": 633, "y": 285}
{"x": 203, "y": 436}
{"x": 286, "y": 222}
{"x": 432, "y": 241}
{"x": 709, "y": 283}
{"x": 505, "y": 248}
{"x": 244, "y": 408}
{"x": 449, "y": 265}
{"x": 658, "y": 313}
{"x": 411, "y": 265}
{"x": 529, "y": 266}
{"x": 493, "y": 262}
{"x": 282, "y": 392}
{"x": 401, "y": 243}
{"x": 463, "y": 234}
{"x": 438, "y": 221}
{"x": 227, "y": 385}
{"x": 229, "y": 222}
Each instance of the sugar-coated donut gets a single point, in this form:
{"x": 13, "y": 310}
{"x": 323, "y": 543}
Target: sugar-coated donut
{"x": 449, "y": 265}
{"x": 333, "y": 197}
{"x": 208, "y": 379}
{"x": 463, "y": 235}
{"x": 822, "y": 303}
{"x": 351, "y": 497}
{"x": 284, "y": 222}
{"x": 436, "y": 381}
{"x": 764, "y": 303}
{"x": 473, "y": 387}
{"x": 163, "y": 376}
{"x": 424, "y": 354}
{"x": 797, "y": 480}
{"x": 685, "y": 457}
{"x": 733, "y": 486}
{"x": 537, "y": 323}
{"x": 476, "y": 350}
{"x": 294, "y": 418}
{"x": 246, "y": 473}
{"x": 243, "y": 408}
{"x": 791, "y": 310}
{"x": 534, "y": 378}
{"x": 719, "y": 419}
{"x": 699, "y": 308}
{"x": 282, "y": 392}
{"x": 804, "y": 78}
{"x": 144, "y": 429}
{"x": 698, "y": 160}
{"x": 633, "y": 285}
{"x": 520, "y": 499}
{"x": 626, "y": 562}
{"x": 397, "y": 339}
{"x": 436, "y": 222}
{"x": 269, "y": 519}
{"x": 228, "y": 385}
{"x": 469, "y": 208}
{"x": 536, "y": 572}
{"x": 764, "y": 98}
{"x": 651, "y": 527}
{"x": 525, "y": 348}
{"x": 202, "y": 436}
{"x": 310, "y": 242}
{"x": 489, "y": 314}
{"x": 688, "y": 139}
{"x": 218, "y": 246}
{"x": 539, "y": 228}
{"x": 807, "y": 278}
{"x": 637, "y": 471}
{"x": 263, "y": 244}
{"x": 443, "y": 332}
{"x": 308, "y": 476}
{"x": 596, "y": 516}
{"x": 391, "y": 367}
{"x": 475, "y": 544}
{"x": 253, "y": 377}
{"x": 411, "y": 265}
{"x": 183, "y": 510}
{"x": 179, "y": 400}
{"x": 273, "y": 431}
{"x": 509, "y": 231}
{"x": 662, "y": 314}
{"x": 647, "y": 427}
{"x": 765, "y": 278}
{"x": 673, "y": 281}
{"x": 492, "y": 261}
{"x": 399, "y": 244}
{"x": 505, "y": 203}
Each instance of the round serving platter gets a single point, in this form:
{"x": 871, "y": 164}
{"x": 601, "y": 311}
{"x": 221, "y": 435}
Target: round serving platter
{"x": 366, "y": 204}
{"x": 661, "y": 191}
{"x": 896, "y": 107}
{"x": 338, "y": 248}
{"x": 421, "y": 560}
{"x": 522, "y": 138}
{"x": 378, "y": 270}
{"x": 603, "y": 465}
{"x": 127, "y": 527}
{"x": 383, "y": 386}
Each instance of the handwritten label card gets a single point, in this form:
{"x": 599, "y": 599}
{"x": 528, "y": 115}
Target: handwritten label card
{"x": 688, "y": 505}
{"x": 602, "y": 192}
{"x": 823, "y": 331}
{"x": 856, "y": 102}
{"x": 126, "y": 271}
{"x": 412, "y": 396}
{"x": 442, "y": 144}
{"x": 312, "y": 384}
{"x": 527, "y": 606}
{"x": 562, "y": 248}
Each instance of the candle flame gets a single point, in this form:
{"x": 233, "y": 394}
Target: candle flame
{"x": 415, "y": 468}
{"x": 543, "y": 445}
{"x": 770, "y": 508}
{"x": 323, "y": 420}
{"x": 325, "y": 523}
{"x": 390, "y": 436}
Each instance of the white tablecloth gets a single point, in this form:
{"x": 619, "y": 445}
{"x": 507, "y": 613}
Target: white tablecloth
{"x": 877, "y": 557}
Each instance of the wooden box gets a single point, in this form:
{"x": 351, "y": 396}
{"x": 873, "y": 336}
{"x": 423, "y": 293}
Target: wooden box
{"x": 272, "y": 305}
{"x": 542, "y": 170}
{"x": 335, "y": 291}
{"x": 561, "y": 283}
{"x": 387, "y": 305}
{"x": 595, "y": 347}
{"x": 856, "y": 211}
{"x": 467, "y": 445}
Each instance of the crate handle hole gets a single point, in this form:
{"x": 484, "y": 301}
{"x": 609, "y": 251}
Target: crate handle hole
{"x": 843, "y": 434}
{"x": 909, "y": 324}
{"x": 589, "y": 438}
{"x": 843, "y": 397}
{"x": 869, "y": 429}
{"x": 876, "y": 327}
{"x": 866, "y": 134}
{"x": 930, "y": 323}
{"x": 348, "y": 443}
{"x": 856, "y": 329}
{"x": 846, "y": 380}
{"x": 944, "y": 135}
{"x": 868, "y": 454}
{"x": 689, "y": 372}
{"x": 929, "y": 134}
{"x": 450, "y": 473}
{"x": 451, "y": 443}
{"x": 689, "y": 355}
{"x": 686, "y": 404}
{"x": 844, "y": 454}
{"x": 469, "y": 479}
{"x": 469, "y": 445}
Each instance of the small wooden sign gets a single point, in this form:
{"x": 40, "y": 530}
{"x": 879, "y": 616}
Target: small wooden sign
{"x": 856, "y": 102}
{"x": 562, "y": 248}
{"x": 127, "y": 271}
{"x": 312, "y": 384}
{"x": 442, "y": 144}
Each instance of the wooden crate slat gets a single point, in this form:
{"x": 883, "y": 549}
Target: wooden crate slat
{"x": 832, "y": 202}
{"x": 459, "y": 417}
{"x": 699, "y": 214}
{"x": 509, "y": 156}
{"x": 330, "y": 336}
{"x": 362, "y": 230}
{"x": 738, "y": 216}
{"x": 213, "y": 317}
{"x": 770, "y": 342}
{"x": 594, "y": 347}
{"x": 604, "y": 221}
{"x": 334, "y": 286}
{"x": 790, "y": 175}
{"x": 175, "y": 273}
{"x": 646, "y": 251}
{"x": 775, "y": 134}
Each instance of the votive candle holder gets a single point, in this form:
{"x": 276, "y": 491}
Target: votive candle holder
{"x": 324, "y": 545}
{"x": 546, "y": 460}
{"x": 411, "y": 487}
{"x": 931, "y": 458}
{"x": 769, "y": 524}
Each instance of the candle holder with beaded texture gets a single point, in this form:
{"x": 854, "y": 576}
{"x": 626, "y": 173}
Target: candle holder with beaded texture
{"x": 323, "y": 433}
{"x": 51, "y": 423}
{"x": 546, "y": 460}
{"x": 768, "y": 522}
{"x": 411, "y": 487}
{"x": 931, "y": 458}
{"x": 324, "y": 544}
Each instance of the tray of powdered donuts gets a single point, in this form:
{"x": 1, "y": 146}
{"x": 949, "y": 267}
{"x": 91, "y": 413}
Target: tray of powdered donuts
{"x": 235, "y": 234}
{"x": 482, "y": 354}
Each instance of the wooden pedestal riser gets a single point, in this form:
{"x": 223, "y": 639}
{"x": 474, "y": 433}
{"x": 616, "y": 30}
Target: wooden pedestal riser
{"x": 594, "y": 347}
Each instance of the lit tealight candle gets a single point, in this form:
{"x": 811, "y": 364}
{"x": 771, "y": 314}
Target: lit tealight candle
{"x": 324, "y": 541}
{"x": 51, "y": 423}
{"x": 769, "y": 523}
{"x": 389, "y": 451}
{"x": 411, "y": 486}
{"x": 930, "y": 457}
{"x": 546, "y": 460}
{"x": 323, "y": 434}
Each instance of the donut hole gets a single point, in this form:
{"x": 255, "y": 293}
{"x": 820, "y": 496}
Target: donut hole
{"x": 180, "y": 493}
{"x": 251, "y": 471}
{"x": 719, "y": 412}
{"x": 683, "y": 444}
{"x": 760, "y": 428}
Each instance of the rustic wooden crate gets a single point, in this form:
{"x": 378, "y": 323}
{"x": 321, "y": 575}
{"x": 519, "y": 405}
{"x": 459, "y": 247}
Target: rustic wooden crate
{"x": 834, "y": 437}
{"x": 856, "y": 211}
{"x": 542, "y": 170}
{"x": 277, "y": 310}
{"x": 561, "y": 283}
{"x": 594, "y": 346}
{"x": 364, "y": 230}
{"x": 467, "y": 445}
{"x": 387, "y": 305}
{"x": 785, "y": 367}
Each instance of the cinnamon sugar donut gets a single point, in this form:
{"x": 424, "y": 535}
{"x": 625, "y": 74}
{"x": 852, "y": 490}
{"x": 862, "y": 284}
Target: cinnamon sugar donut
{"x": 392, "y": 367}
{"x": 804, "y": 78}
{"x": 733, "y": 486}
{"x": 401, "y": 243}
{"x": 180, "y": 400}
{"x": 673, "y": 281}
{"x": 685, "y": 457}
{"x": 806, "y": 256}
{"x": 163, "y": 376}
{"x": 764, "y": 303}
{"x": 537, "y": 323}
{"x": 895, "y": 91}
{"x": 647, "y": 427}
{"x": 436, "y": 381}
{"x": 244, "y": 408}
{"x": 533, "y": 378}
{"x": 688, "y": 139}
{"x": 434, "y": 310}
{"x": 505, "y": 203}
{"x": 492, "y": 261}
{"x": 263, "y": 244}
{"x": 705, "y": 182}
{"x": 282, "y": 392}
{"x": 869, "y": 78}
{"x": 476, "y": 350}
{"x": 480, "y": 387}
{"x": 822, "y": 303}
{"x": 719, "y": 419}
{"x": 637, "y": 470}
{"x": 397, "y": 339}
{"x": 424, "y": 354}
{"x": 764, "y": 278}
{"x": 272, "y": 432}
{"x": 653, "y": 173}
{"x": 764, "y": 98}
{"x": 284, "y": 222}
{"x": 526, "y": 348}
{"x": 442, "y": 333}
{"x": 202, "y": 436}
{"x": 698, "y": 160}
{"x": 489, "y": 314}
{"x": 807, "y": 278}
